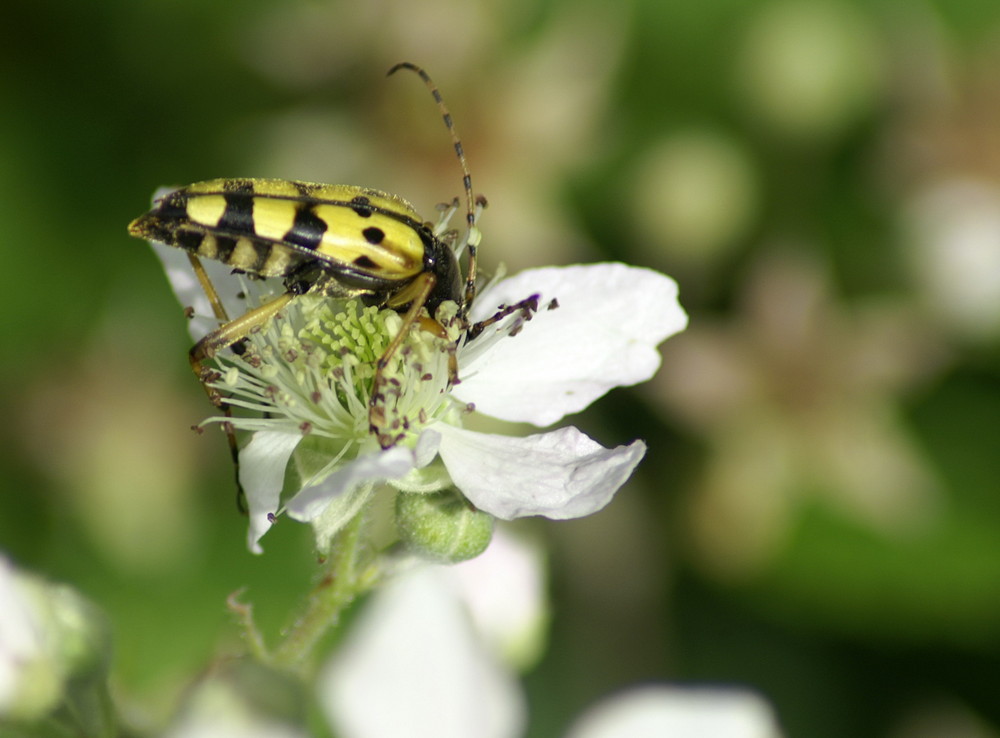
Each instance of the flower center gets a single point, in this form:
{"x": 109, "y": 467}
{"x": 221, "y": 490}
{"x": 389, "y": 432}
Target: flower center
{"x": 312, "y": 368}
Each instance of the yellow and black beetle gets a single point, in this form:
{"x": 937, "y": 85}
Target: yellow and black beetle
{"x": 330, "y": 240}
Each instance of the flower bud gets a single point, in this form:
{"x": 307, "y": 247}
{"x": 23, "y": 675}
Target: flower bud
{"x": 442, "y": 526}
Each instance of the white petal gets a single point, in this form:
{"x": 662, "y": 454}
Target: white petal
{"x": 412, "y": 667}
{"x": 504, "y": 589}
{"x": 657, "y": 711}
{"x": 22, "y": 640}
{"x": 560, "y": 475}
{"x": 604, "y": 334}
{"x": 262, "y": 474}
{"x": 310, "y": 502}
{"x": 426, "y": 449}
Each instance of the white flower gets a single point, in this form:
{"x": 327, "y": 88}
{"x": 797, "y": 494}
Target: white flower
{"x": 597, "y": 327}
{"x": 421, "y": 660}
{"x": 953, "y": 247}
{"x": 429, "y": 657}
{"x": 658, "y": 710}
{"x": 49, "y": 637}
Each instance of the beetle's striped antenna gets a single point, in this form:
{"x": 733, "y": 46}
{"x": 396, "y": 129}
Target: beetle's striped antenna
{"x": 474, "y": 236}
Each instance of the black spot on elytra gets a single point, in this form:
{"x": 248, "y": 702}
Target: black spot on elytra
{"x": 362, "y": 206}
{"x": 364, "y": 262}
{"x": 373, "y": 235}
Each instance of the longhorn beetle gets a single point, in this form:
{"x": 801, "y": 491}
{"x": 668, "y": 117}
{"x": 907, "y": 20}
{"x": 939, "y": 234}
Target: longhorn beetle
{"x": 338, "y": 241}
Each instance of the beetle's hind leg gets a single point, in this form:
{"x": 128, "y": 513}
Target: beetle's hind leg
{"x": 232, "y": 333}
{"x": 229, "y": 334}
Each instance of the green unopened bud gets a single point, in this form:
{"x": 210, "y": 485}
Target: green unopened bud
{"x": 442, "y": 526}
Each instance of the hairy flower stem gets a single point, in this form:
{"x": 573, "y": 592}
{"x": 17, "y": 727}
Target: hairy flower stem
{"x": 344, "y": 579}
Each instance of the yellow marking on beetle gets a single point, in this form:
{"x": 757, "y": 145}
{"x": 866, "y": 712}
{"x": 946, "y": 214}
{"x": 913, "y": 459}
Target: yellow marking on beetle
{"x": 275, "y": 188}
{"x": 244, "y": 256}
{"x": 399, "y": 251}
{"x": 206, "y": 210}
{"x": 273, "y": 217}
{"x": 209, "y": 248}
{"x": 277, "y": 263}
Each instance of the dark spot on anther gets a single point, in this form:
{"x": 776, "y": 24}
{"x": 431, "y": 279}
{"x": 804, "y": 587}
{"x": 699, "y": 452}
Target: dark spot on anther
{"x": 553, "y": 304}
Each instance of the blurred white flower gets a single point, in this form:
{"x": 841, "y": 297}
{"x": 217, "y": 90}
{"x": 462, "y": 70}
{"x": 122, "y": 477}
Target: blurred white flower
{"x": 49, "y": 635}
{"x": 414, "y": 666}
{"x": 504, "y": 592}
{"x": 953, "y": 249}
{"x": 809, "y": 68}
{"x": 667, "y": 711}
{"x": 418, "y": 662}
{"x": 694, "y": 195}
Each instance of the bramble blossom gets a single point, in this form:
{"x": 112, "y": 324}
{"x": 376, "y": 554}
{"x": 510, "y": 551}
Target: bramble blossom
{"x": 306, "y": 378}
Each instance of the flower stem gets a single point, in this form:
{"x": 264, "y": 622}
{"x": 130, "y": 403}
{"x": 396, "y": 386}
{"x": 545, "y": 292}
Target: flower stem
{"x": 340, "y": 583}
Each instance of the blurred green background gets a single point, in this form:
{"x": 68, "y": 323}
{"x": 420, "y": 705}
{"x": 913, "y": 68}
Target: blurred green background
{"x": 819, "y": 513}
